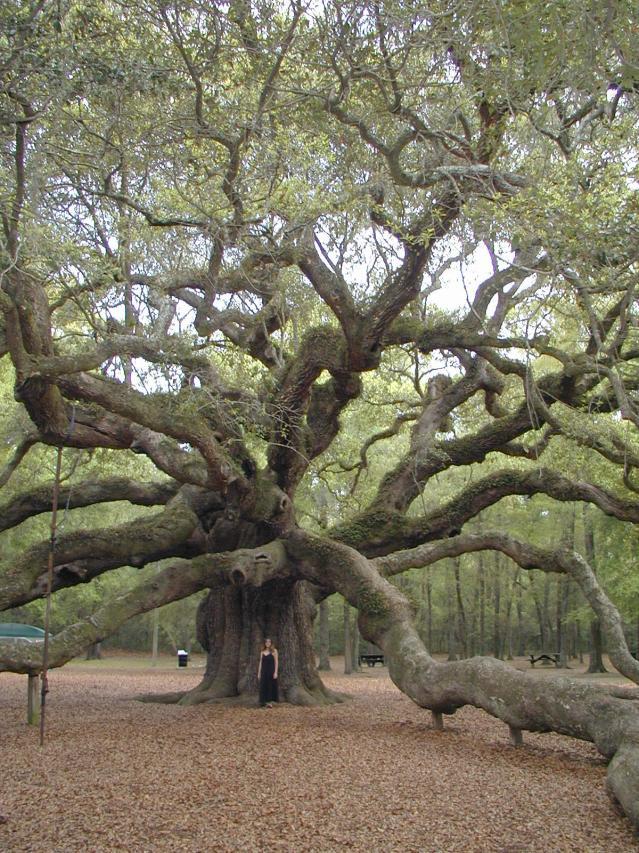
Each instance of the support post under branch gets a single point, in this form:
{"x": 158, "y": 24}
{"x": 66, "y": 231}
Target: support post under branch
{"x": 32, "y": 700}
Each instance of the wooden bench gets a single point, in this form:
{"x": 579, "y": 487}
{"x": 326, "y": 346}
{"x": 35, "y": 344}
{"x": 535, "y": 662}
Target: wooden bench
{"x": 552, "y": 658}
{"x": 371, "y": 660}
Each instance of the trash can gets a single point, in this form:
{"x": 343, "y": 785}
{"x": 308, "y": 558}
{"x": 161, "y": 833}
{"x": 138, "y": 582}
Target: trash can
{"x": 183, "y": 658}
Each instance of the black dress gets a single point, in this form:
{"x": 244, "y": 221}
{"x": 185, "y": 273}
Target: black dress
{"x": 268, "y": 684}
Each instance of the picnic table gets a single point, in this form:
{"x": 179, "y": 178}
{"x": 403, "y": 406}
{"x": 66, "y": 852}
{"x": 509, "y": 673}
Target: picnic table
{"x": 371, "y": 659}
{"x": 551, "y": 657}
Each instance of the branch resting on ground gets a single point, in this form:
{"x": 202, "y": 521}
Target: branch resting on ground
{"x": 522, "y": 701}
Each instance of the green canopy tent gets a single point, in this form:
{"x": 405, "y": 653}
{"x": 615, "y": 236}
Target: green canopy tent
{"x": 25, "y": 632}
{"x": 15, "y": 630}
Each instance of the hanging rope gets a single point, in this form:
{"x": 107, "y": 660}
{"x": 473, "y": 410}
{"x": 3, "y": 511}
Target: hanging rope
{"x": 52, "y": 541}
{"x": 47, "y": 616}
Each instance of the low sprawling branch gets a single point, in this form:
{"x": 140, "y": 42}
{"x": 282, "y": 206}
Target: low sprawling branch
{"x": 561, "y": 561}
{"x": 380, "y": 530}
{"x": 39, "y": 500}
{"x": 181, "y": 579}
{"x": 81, "y": 556}
{"x": 580, "y": 710}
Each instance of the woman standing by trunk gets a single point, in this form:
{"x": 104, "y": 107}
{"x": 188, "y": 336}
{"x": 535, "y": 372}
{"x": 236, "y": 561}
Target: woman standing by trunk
{"x": 267, "y": 674}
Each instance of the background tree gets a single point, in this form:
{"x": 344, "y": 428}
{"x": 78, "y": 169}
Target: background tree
{"x": 226, "y": 229}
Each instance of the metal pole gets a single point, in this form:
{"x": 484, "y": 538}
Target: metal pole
{"x": 47, "y": 617}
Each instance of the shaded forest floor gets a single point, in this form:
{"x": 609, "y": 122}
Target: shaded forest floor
{"x": 369, "y": 775}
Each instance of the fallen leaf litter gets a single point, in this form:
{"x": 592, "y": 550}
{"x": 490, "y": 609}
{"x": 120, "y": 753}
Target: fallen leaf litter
{"x": 368, "y": 775}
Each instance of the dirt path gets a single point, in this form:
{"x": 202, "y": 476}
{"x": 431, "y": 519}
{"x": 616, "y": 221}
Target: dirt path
{"x": 370, "y": 775}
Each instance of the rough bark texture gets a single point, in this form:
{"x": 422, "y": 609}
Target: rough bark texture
{"x": 232, "y": 626}
{"x": 232, "y": 276}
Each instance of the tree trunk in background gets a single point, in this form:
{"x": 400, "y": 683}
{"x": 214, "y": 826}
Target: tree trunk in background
{"x": 324, "y": 637}
{"x": 579, "y": 649}
{"x": 571, "y": 644}
{"x": 348, "y": 649}
{"x": 324, "y": 631}
{"x": 429, "y": 610}
{"x": 508, "y": 625}
{"x": 497, "y": 610}
{"x": 563, "y": 593}
{"x": 540, "y": 615}
{"x": 472, "y": 630}
{"x": 355, "y": 646}
{"x": 426, "y": 610}
{"x": 521, "y": 642}
{"x": 562, "y": 608}
{"x": 450, "y": 614}
{"x": 595, "y": 663}
{"x": 94, "y": 652}
{"x": 551, "y": 638}
{"x": 232, "y": 624}
{"x": 460, "y": 621}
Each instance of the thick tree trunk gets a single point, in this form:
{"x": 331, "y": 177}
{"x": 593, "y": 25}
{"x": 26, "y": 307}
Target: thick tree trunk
{"x": 232, "y": 625}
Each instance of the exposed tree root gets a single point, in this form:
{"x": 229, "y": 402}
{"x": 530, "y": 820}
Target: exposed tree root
{"x": 161, "y": 698}
{"x": 297, "y": 695}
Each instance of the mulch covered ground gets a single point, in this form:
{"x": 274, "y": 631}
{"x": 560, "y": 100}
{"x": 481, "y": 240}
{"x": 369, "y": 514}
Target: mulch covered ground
{"x": 370, "y": 775}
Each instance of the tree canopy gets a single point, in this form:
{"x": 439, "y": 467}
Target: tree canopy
{"x": 318, "y": 285}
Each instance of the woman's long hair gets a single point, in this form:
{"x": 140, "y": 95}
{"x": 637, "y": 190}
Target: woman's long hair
{"x": 271, "y": 648}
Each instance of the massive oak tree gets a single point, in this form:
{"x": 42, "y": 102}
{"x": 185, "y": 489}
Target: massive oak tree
{"x": 227, "y": 230}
